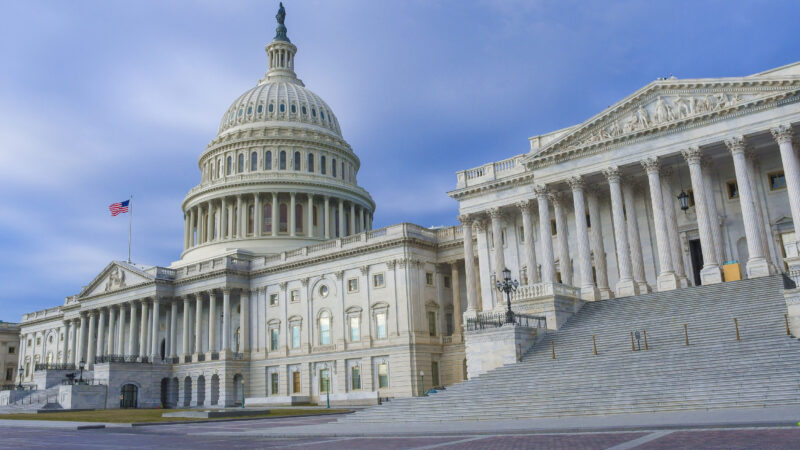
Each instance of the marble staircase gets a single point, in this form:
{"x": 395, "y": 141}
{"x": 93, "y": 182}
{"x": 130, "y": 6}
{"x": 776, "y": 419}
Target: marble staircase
{"x": 714, "y": 371}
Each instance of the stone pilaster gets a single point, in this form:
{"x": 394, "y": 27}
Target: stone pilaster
{"x": 185, "y": 337}
{"x": 198, "y": 324}
{"x": 212, "y": 321}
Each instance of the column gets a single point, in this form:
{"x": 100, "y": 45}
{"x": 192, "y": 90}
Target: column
{"x": 274, "y": 214}
{"x": 210, "y": 223}
{"x": 710, "y": 273}
{"x": 525, "y": 209}
{"x": 90, "y": 340}
{"x": 497, "y": 241}
{"x": 198, "y": 323}
{"x": 545, "y": 235}
{"x": 186, "y": 229}
{"x": 226, "y": 320}
{"x": 469, "y": 265}
{"x": 562, "y": 239}
{"x": 341, "y": 219}
{"x": 292, "y": 223}
{"x": 143, "y": 330}
{"x": 185, "y": 337}
{"x": 757, "y": 265}
{"x": 326, "y": 223}
{"x": 672, "y": 227}
{"x": 121, "y": 331}
{"x": 791, "y": 170}
{"x": 173, "y": 329}
{"x": 101, "y": 332}
{"x": 455, "y": 283}
{"x": 352, "y": 218}
{"x": 258, "y": 220}
{"x": 239, "y": 222}
{"x": 191, "y": 227}
{"x": 244, "y": 321}
{"x": 596, "y": 241}
{"x": 133, "y": 332}
{"x": 79, "y": 354}
{"x": 361, "y": 224}
{"x": 588, "y": 289}
{"x": 223, "y": 220}
{"x": 112, "y": 320}
{"x": 64, "y": 350}
{"x": 637, "y": 260}
{"x": 763, "y": 226}
{"x": 711, "y": 207}
{"x": 212, "y": 322}
{"x": 625, "y": 284}
{"x": 667, "y": 280}
{"x": 310, "y": 220}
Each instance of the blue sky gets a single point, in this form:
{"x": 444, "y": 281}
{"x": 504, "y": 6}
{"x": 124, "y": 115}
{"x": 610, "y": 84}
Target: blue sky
{"x": 99, "y": 99}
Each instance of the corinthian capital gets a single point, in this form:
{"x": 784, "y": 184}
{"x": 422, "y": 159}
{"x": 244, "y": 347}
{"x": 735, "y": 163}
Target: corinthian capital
{"x": 692, "y": 154}
{"x": 612, "y": 174}
{"x": 576, "y": 183}
{"x": 651, "y": 165}
{"x": 541, "y": 190}
{"x": 466, "y": 220}
{"x": 782, "y": 133}
{"x": 525, "y": 206}
{"x": 736, "y": 144}
{"x": 495, "y": 213}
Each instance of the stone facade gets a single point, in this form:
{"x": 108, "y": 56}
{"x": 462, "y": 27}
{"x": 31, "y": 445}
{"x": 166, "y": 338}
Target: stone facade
{"x": 9, "y": 352}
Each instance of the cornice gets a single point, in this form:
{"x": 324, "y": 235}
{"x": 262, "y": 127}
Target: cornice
{"x": 474, "y": 191}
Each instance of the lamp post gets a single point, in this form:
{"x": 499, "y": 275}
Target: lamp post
{"x": 21, "y": 374}
{"x": 422, "y": 375}
{"x": 328, "y": 391}
{"x": 508, "y": 286}
{"x": 81, "y": 365}
{"x": 242, "y": 393}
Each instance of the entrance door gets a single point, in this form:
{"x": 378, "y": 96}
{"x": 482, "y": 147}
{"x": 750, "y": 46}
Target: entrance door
{"x": 296, "y": 382}
{"x": 696, "y": 254}
{"x": 129, "y": 396}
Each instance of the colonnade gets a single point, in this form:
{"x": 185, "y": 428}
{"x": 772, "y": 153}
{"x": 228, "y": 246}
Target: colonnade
{"x": 274, "y": 214}
{"x": 620, "y": 189}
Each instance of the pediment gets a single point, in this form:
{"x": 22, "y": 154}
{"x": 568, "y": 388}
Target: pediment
{"x": 117, "y": 275}
{"x": 663, "y": 106}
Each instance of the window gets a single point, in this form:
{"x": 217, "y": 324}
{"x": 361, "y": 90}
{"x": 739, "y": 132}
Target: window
{"x": 313, "y": 112}
{"x": 274, "y": 383}
{"x": 298, "y": 218}
{"x": 322, "y": 164}
{"x": 260, "y": 109}
{"x": 240, "y": 112}
{"x": 296, "y": 160}
{"x": 11, "y": 350}
{"x": 432, "y": 323}
{"x": 273, "y": 299}
{"x": 267, "y": 217}
{"x": 355, "y": 329}
{"x": 429, "y": 278}
{"x": 343, "y": 170}
{"x": 271, "y": 107}
{"x": 322, "y": 114}
{"x": 316, "y": 221}
{"x": 446, "y": 281}
{"x": 253, "y": 162}
{"x": 249, "y": 110}
{"x": 352, "y": 285}
{"x": 296, "y": 336}
{"x": 333, "y": 167}
{"x": 294, "y": 108}
{"x": 268, "y": 161}
{"x": 380, "y": 325}
{"x": 9, "y": 374}
{"x": 449, "y": 320}
{"x": 228, "y": 167}
{"x": 282, "y": 162}
{"x": 733, "y": 189}
{"x": 435, "y": 373}
{"x": 295, "y": 295}
{"x": 776, "y": 180}
{"x": 39, "y": 341}
{"x": 323, "y": 291}
{"x": 325, "y": 328}
{"x": 296, "y": 373}
{"x": 305, "y": 111}
{"x": 383, "y": 375}
{"x": 240, "y": 166}
{"x": 377, "y": 280}
{"x": 355, "y": 378}
{"x": 310, "y": 162}
{"x": 283, "y": 218}
{"x": 273, "y": 342}
{"x": 324, "y": 380}
{"x": 251, "y": 215}
{"x": 282, "y": 107}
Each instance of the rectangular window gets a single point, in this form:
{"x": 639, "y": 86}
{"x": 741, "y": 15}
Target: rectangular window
{"x": 446, "y": 281}
{"x": 377, "y": 280}
{"x": 383, "y": 375}
{"x": 449, "y": 320}
{"x": 9, "y": 374}
{"x": 324, "y": 380}
{"x": 355, "y": 329}
{"x": 295, "y": 336}
{"x": 296, "y": 382}
{"x": 352, "y": 285}
{"x": 435, "y": 373}
{"x": 380, "y": 324}
{"x": 295, "y": 295}
{"x": 776, "y": 180}
{"x": 11, "y": 350}
{"x": 432, "y": 323}
{"x": 324, "y": 330}
{"x": 274, "y": 383}
{"x": 429, "y": 278}
{"x": 733, "y": 189}
{"x": 273, "y": 342}
{"x": 355, "y": 378}
{"x": 273, "y": 299}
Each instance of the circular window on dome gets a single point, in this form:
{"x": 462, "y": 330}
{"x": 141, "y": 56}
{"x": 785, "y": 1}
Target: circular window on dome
{"x": 271, "y": 107}
{"x": 283, "y": 107}
{"x": 305, "y": 111}
{"x": 313, "y": 112}
{"x": 260, "y": 109}
{"x": 323, "y": 291}
{"x": 294, "y": 109}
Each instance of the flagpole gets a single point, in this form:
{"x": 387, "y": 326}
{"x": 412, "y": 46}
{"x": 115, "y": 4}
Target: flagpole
{"x": 130, "y": 226}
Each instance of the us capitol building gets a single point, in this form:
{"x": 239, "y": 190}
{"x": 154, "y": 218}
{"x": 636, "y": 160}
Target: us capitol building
{"x": 285, "y": 293}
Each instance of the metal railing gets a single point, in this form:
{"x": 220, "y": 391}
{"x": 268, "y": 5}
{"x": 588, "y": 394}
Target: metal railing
{"x": 119, "y": 359}
{"x": 187, "y": 358}
{"x": 84, "y": 382}
{"x": 201, "y": 356}
{"x": 53, "y": 366}
{"x": 238, "y": 356}
{"x": 215, "y": 356}
{"x": 496, "y": 320}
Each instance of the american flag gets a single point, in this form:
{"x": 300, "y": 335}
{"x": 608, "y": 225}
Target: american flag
{"x": 119, "y": 208}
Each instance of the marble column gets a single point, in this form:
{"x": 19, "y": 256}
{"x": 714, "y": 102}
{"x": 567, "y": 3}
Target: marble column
{"x": 223, "y": 220}
{"x": 112, "y": 325}
{"x": 240, "y": 225}
{"x": 672, "y": 227}
{"x": 64, "y": 350}
{"x": 341, "y": 219}
{"x": 757, "y": 265}
{"x": 173, "y": 328}
{"x": 763, "y": 226}
{"x": 210, "y": 223}
{"x": 634, "y": 241}
{"x": 191, "y": 238}
{"x": 186, "y": 229}
{"x": 275, "y": 208}
{"x": 326, "y": 222}
{"x": 596, "y": 241}
{"x": 562, "y": 238}
{"x": 588, "y": 288}
{"x": 710, "y": 272}
{"x": 497, "y": 241}
{"x": 310, "y": 219}
{"x": 666, "y": 280}
{"x": 133, "y": 331}
{"x": 361, "y": 224}
{"x": 292, "y": 223}
{"x": 455, "y": 283}
{"x": 143, "y": 329}
{"x": 532, "y": 268}
{"x": 91, "y": 341}
{"x": 545, "y": 235}
{"x": 244, "y": 321}
{"x": 80, "y": 355}
{"x": 185, "y": 331}
{"x": 258, "y": 215}
{"x": 469, "y": 265}
{"x": 625, "y": 285}
{"x": 226, "y": 320}
{"x": 352, "y": 218}
{"x": 791, "y": 170}
{"x": 711, "y": 206}
{"x": 212, "y": 321}
{"x": 101, "y": 332}
{"x": 198, "y": 323}
{"x": 120, "y": 344}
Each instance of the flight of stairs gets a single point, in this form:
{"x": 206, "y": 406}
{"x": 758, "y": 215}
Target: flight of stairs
{"x": 713, "y": 371}
{"x": 36, "y": 400}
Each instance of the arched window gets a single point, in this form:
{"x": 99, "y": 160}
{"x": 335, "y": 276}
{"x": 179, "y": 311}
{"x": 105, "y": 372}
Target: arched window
{"x": 271, "y": 107}
{"x": 267, "y": 217}
{"x": 333, "y": 167}
{"x": 294, "y": 108}
{"x": 240, "y": 166}
{"x": 219, "y": 168}
{"x": 282, "y": 107}
{"x": 249, "y": 110}
{"x": 228, "y": 167}
{"x": 253, "y": 162}
{"x": 325, "y": 328}
{"x": 310, "y": 162}
{"x": 251, "y": 214}
{"x": 268, "y": 161}
{"x": 298, "y": 218}
{"x": 322, "y": 169}
{"x": 283, "y": 218}
{"x": 305, "y": 111}
{"x": 282, "y": 162}
{"x": 296, "y": 160}
{"x": 313, "y": 112}
{"x": 322, "y": 114}
{"x": 260, "y": 109}
{"x": 240, "y": 112}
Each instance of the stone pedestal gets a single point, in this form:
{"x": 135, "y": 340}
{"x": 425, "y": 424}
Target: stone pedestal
{"x": 490, "y": 348}
{"x": 82, "y": 396}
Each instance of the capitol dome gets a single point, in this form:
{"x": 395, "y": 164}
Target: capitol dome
{"x": 278, "y": 175}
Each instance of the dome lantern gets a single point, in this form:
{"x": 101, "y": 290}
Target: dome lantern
{"x": 280, "y": 52}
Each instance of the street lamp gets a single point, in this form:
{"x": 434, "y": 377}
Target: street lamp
{"x": 508, "y": 286}
{"x": 21, "y": 374}
{"x": 422, "y": 375}
{"x": 328, "y": 391}
{"x": 81, "y": 365}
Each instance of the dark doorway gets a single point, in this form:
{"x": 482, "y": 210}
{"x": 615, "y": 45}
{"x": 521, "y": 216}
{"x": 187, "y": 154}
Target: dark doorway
{"x": 129, "y": 396}
{"x": 164, "y": 392}
{"x": 696, "y": 253}
{"x": 163, "y": 350}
